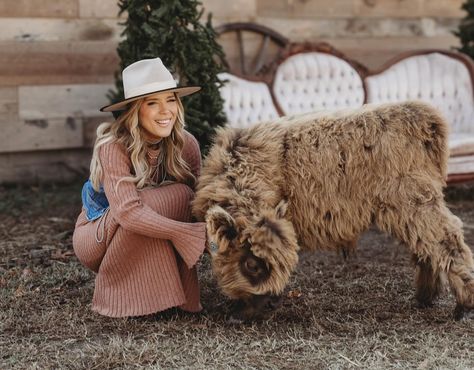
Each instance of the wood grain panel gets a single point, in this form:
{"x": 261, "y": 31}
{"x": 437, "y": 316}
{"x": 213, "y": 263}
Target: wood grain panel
{"x": 90, "y": 129}
{"x": 312, "y": 30}
{"x": 60, "y": 101}
{"x": 305, "y": 9}
{"x": 34, "y": 29}
{"x": 57, "y": 62}
{"x": 43, "y": 8}
{"x": 52, "y": 117}
{"x": 8, "y": 102}
{"x": 99, "y": 9}
{"x": 40, "y": 134}
{"x": 229, "y": 11}
{"x": 45, "y": 166}
{"x": 389, "y": 8}
{"x": 374, "y": 52}
{"x": 443, "y": 8}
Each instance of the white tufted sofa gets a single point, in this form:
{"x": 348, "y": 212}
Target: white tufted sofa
{"x": 311, "y": 81}
{"x": 442, "y": 79}
{"x": 246, "y": 102}
{"x": 310, "y": 78}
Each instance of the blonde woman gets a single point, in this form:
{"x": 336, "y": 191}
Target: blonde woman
{"x": 135, "y": 229}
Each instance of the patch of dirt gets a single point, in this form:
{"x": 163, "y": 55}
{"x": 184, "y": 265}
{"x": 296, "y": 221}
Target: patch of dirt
{"x": 337, "y": 313}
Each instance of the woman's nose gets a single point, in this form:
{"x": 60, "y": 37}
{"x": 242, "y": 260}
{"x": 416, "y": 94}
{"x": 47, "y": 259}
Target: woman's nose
{"x": 162, "y": 107}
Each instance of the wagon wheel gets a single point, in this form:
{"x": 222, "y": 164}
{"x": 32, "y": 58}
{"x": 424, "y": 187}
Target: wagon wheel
{"x": 263, "y": 47}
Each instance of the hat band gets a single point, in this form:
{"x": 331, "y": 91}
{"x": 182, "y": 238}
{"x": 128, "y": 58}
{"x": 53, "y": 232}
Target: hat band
{"x": 149, "y": 88}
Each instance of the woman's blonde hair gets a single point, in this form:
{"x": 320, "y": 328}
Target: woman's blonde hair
{"x": 127, "y": 130}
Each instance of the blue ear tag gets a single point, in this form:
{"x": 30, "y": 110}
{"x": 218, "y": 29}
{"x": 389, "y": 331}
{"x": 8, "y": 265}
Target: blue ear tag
{"x": 213, "y": 246}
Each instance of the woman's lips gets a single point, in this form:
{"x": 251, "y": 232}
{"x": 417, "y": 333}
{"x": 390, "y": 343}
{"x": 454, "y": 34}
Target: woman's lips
{"x": 163, "y": 122}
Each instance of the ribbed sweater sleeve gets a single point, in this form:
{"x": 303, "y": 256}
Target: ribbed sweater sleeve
{"x": 129, "y": 211}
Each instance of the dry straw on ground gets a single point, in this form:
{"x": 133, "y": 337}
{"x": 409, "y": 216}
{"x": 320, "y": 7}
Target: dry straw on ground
{"x": 337, "y": 314}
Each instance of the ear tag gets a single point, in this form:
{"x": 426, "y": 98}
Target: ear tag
{"x": 213, "y": 247}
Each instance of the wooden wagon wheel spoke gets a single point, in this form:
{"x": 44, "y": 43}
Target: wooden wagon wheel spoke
{"x": 241, "y": 52}
{"x": 261, "y": 55}
{"x": 250, "y": 61}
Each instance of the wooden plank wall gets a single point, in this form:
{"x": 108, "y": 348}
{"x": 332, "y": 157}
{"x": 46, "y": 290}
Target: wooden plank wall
{"x": 58, "y": 59}
{"x": 56, "y": 66}
{"x": 370, "y": 31}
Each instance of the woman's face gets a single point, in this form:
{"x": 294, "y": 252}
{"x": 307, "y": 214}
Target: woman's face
{"x": 157, "y": 115}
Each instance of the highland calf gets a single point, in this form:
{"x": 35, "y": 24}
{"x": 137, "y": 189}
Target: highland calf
{"x": 318, "y": 181}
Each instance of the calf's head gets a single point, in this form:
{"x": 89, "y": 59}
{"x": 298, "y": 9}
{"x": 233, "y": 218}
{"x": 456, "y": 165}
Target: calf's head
{"x": 252, "y": 255}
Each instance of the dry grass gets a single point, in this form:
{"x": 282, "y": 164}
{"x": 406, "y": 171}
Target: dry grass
{"x": 358, "y": 313}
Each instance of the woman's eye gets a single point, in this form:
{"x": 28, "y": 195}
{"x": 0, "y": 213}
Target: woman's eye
{"x": 151, "y": 103}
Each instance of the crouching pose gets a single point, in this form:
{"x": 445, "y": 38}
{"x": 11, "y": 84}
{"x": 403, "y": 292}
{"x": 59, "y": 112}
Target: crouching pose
{"x": 135, "y": 228}
{"x": 317, "y": 181}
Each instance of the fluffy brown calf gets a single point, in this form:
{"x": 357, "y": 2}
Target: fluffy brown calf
{"x": 318, "y": 181}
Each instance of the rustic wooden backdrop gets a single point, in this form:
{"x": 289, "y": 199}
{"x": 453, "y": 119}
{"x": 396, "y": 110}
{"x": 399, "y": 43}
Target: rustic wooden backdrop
{"x": 58, "y": 58}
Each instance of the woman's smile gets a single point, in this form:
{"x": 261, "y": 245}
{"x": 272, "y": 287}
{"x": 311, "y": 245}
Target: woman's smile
{"x": 163, "y": 122}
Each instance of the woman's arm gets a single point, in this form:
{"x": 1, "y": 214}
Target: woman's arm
{"x": 133, "y": 215}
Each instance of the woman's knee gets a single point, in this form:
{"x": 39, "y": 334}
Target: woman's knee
{"x": 171, "y": 201}
{"x": 89, "y": 252}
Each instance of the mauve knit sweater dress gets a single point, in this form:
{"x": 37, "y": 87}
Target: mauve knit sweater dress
{"x": 146, "y": 260}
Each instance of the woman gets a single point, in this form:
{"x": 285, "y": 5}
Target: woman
{"x": 135, "y": 227}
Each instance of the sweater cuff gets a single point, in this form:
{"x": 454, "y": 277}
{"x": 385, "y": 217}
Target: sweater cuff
{"x": 190, "y": 242}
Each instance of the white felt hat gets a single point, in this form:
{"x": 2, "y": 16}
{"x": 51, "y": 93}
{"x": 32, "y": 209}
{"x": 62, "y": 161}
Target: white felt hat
{"x": 147, "y": 77}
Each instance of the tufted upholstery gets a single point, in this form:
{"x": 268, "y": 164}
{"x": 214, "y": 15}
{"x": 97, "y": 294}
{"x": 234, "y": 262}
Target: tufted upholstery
{"x": 311, "y": 81}
{"x": 446, "y": 84}
{"x": 246, "y": 102}
{"x": 434, "y": 78}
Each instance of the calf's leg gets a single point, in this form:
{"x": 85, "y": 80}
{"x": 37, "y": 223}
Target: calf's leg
{"x": 428, "y": 282}
{"x": 416, "y": 214}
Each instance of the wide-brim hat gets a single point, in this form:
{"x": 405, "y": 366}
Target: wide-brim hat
{"x": 147, "y": 77}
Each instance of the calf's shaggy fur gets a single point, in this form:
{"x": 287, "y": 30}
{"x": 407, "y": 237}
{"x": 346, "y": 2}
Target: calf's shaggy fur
{"x": 317, "y": 181}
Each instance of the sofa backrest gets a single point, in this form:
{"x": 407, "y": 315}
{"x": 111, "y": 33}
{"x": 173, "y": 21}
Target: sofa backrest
{"x": 441, "y": 78}
{"x": 246, "y": 102}
{"x": 312, "y": 80}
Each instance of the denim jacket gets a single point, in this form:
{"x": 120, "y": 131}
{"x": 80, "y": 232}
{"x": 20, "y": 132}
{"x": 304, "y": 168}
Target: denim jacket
{"x": 94, "y": 202}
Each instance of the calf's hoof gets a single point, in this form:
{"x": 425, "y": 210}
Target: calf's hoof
{"x": 463, "y": 313}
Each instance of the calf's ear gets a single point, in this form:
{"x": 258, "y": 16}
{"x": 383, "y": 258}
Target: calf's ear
{"x": 220, "y": 222}
{"x": 281, "y": 209}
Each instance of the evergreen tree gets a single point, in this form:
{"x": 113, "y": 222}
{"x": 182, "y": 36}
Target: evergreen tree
{"x": 171, "y": 30}
{"x": 466, "y": 29}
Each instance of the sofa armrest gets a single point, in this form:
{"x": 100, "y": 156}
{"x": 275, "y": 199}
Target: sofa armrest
{"x": 246, "y": 102}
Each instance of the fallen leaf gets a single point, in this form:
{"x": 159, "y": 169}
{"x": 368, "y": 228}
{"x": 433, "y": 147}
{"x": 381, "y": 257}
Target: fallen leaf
{"x": 26, "y": 273}
{"x": 61, "y": 255}
{"x": 58, "y": 219}
{"x": 294, "y": 293}
{"x": 20, "y": 291}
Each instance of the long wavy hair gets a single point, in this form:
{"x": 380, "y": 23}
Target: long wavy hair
{"x": 126, "y": 129}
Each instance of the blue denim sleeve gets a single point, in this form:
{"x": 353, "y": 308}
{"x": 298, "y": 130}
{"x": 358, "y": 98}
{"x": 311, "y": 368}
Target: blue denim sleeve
{"x": 95, "y": 202}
